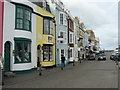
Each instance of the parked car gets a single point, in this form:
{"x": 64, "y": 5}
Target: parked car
{"x": 112, "y": 56}
{"x": 102, "y": 56}
{"x": 91, "y": 56}
{"x": 117, "y": 57}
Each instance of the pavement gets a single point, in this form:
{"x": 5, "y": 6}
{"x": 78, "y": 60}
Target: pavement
{"x": 88, "y": 74}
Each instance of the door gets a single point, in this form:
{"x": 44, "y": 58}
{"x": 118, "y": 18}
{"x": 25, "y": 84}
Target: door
{"x": 7, "y": 57}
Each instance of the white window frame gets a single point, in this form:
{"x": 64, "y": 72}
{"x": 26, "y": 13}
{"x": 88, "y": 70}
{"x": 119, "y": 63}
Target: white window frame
{"x": 72, "y": 53}
{"x": 60, "y": 53}
{"x": 70, "y": 38}
{"x": 60, "y": 17}
{"x": 64, "y": 36}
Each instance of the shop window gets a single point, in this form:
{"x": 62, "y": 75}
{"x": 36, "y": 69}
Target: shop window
{"x": 23, "y": 18}
{"x": 22, "y": 51}
{"x": 48, "y": 26}
{"x": 47, "y": 53}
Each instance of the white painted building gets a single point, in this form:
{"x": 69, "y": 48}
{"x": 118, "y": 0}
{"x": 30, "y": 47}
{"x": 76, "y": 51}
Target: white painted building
{"x": 19, "y": 39}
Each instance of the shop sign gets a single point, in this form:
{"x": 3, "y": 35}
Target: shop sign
{"x": 50, "y": 39}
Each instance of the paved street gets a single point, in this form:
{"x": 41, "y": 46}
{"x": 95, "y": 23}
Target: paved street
{"x": 88, "y": 74}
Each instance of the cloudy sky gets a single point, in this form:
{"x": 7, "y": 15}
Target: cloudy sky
{"x": 100, "y": 16}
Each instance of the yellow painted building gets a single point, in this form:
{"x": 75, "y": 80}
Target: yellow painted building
{"x": 45, "y": 36}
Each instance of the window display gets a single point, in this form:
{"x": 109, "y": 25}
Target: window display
{"x": 48, "y": 53}
{"x": 22, "y": 51}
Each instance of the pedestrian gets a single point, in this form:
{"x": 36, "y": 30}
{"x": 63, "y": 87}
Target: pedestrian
{"x": 73, "y": 62}
{"x": 62, "y": 61}
{"x": 1, "y": 70}
{"x": 39, "y": 66}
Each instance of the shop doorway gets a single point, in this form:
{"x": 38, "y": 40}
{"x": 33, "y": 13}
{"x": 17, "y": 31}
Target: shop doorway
{"x": 7, "y": 54}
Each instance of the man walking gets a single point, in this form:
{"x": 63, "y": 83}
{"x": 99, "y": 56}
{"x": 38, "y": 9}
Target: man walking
{"x": 39, "y": 66}
{"x": 63, "y": 62}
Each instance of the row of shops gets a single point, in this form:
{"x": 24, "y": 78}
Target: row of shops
{"x": 27, "y": 27}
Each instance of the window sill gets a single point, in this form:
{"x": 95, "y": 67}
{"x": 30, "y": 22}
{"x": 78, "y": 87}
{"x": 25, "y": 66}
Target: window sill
{"x": 17, "y": 29}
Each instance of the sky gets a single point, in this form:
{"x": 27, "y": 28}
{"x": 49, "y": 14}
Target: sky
{"x": 101, "y": 16}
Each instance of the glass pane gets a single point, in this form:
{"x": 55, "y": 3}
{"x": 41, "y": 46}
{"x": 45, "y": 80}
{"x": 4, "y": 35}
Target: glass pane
{"x": 27, "y": 24}
{"x": 19, "y": 13}
{"x": 19, "y": 23}
{"x": 46, "y": 53}
{"x": 51, "y": 51}
{"x": 26, "y": 52}
{"x": 27, "y": 14}
{"x": 18, "y": 52}
{"x": 46, "y": 26}
{"x": 51, "y": 27}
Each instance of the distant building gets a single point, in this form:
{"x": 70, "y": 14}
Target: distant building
{"x": 76, "y": 38}
{"x": 91, "y": 39}
{"x": 82, "y": 40}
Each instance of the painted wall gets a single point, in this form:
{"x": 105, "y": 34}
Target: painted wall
{"x": 9, "y": 26}
{"x": 42, "y": 38}
{"x": 56, "y": 10}
{"x": 1, "y": 24}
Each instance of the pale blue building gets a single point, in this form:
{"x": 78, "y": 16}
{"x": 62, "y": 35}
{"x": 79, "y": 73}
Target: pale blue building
{"x": 57, "y": 8}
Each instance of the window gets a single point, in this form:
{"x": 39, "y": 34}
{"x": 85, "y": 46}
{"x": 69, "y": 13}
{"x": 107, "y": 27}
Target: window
{"x": 47, "y": 53}
{"x": 62, "y": 34}
{"x": 22, "y": 51}
{"x": 62, "y": 53}
{"x": 71, "y": 38}
{"x": 48, "y": 26}
{"x": 71, "y": 52}
{"x": 23, "y": 18}
{"x": 61, "y": 18}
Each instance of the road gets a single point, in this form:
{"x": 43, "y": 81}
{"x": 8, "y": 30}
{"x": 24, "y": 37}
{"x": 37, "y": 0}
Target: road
{"x": 88, "y": 74}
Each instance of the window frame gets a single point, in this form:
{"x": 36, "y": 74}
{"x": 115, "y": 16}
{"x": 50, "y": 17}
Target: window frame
{"x": 24, "y": 8}
{"x": 49, "y": 27}
{"x": 48, "y": 53}
{"x": 22, "y": 41}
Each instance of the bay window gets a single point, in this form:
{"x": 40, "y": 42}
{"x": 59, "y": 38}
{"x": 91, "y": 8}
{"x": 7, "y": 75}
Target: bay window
{"x": 23, "y": 18}
{"x": 48, "y": 26}
{"x": 22, "y": 50}
{"x": 47, "y": 53}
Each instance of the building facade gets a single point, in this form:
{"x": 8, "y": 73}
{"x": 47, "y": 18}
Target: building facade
{"x": 45, "y": 34}
{"x": 82, "y": 40}
{"x": 57, "y": 8}
{"x": 76, "y": 38}
{"x": 70, "y": 38}
{"x": 19, "y": 44}
{"x": 92, "y": 40}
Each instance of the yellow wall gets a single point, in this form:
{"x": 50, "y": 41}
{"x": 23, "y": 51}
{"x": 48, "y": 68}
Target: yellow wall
{"x": 42, "y": 38}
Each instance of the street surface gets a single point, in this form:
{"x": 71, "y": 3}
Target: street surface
{"x": 88, "y": 74}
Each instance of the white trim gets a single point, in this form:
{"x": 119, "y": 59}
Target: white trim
{"x": 70, "y": 37}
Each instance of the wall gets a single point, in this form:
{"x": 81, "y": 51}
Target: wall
{"x": 1, "y": 24}
{"x": 10, "y": 32}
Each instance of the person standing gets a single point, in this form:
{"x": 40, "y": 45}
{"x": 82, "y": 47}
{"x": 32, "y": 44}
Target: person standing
{"x": 39, "y": 66}
{"x": 63, "y": 62}
{"x": 1, "y": 70}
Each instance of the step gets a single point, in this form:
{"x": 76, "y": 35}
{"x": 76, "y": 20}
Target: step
{"x": 9, "y": 74}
